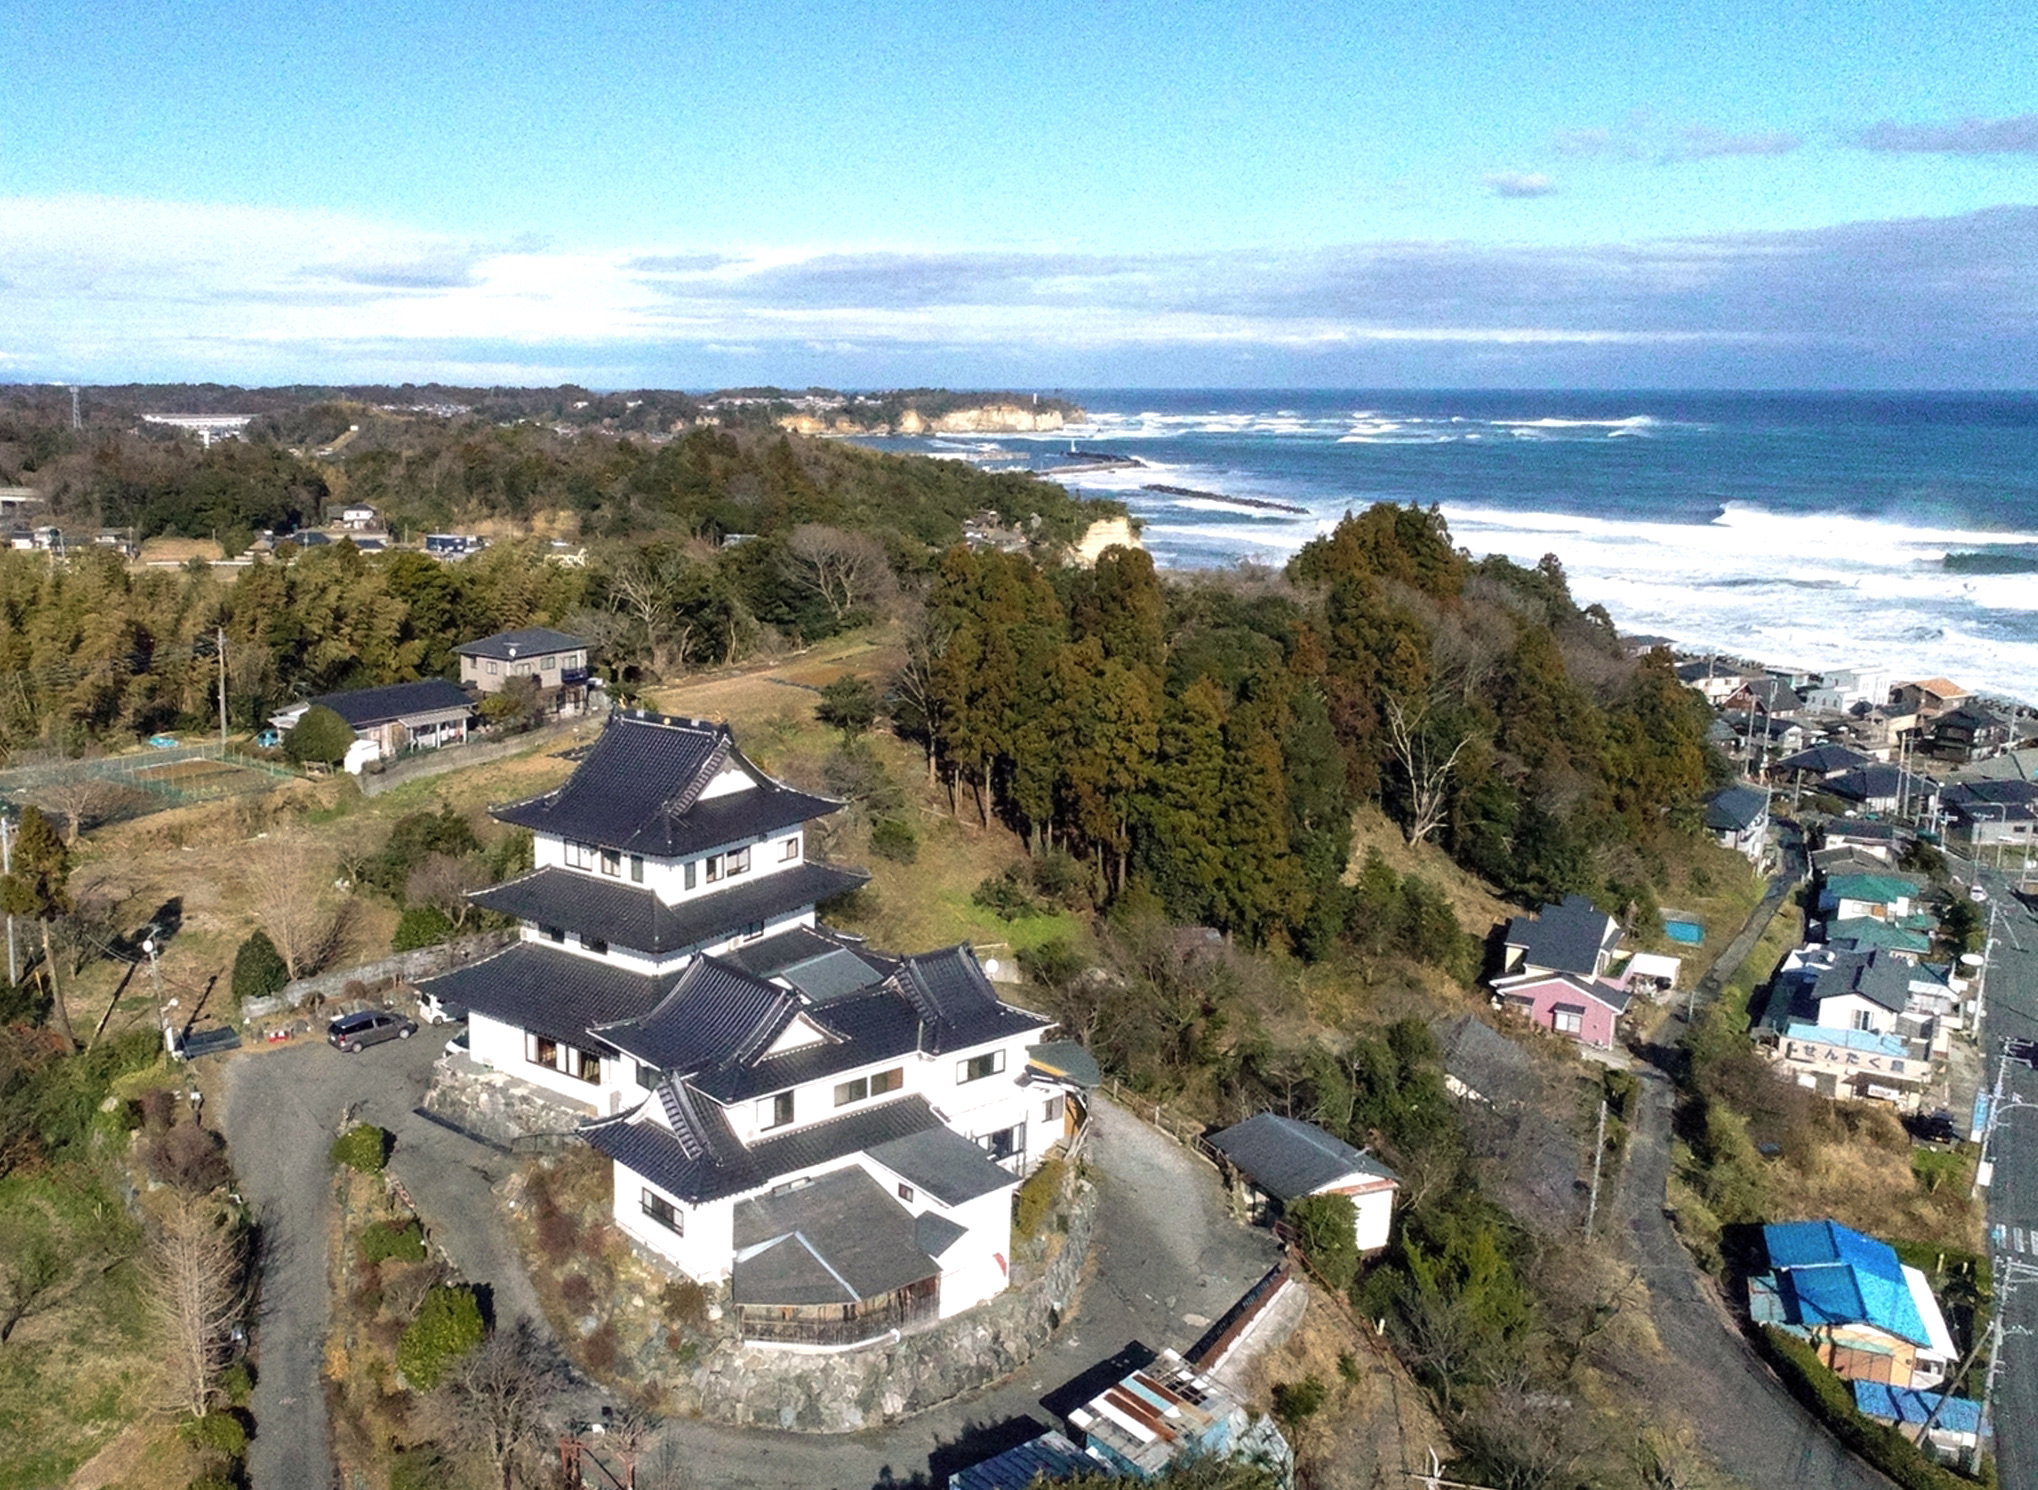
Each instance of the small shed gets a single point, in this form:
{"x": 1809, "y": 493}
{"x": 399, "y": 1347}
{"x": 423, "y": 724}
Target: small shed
{"x": 1285, "y": 1159}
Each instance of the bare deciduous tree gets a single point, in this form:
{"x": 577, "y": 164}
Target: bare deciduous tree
{"x": 912, "y": 699}
{"x": 847, "y": 570}
{"x": 196, "y": 1273}
{"x": 293, "y": 898}
{"x": 496, "y": 1401}
{"x": 1426, "y": 762}
{"x": 444, "y": 880}
{"x": 83, "y": 802}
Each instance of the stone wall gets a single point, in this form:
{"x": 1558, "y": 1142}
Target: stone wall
{"x": 845, "y": 1391}
{"x": 400, "y": 967}
{"x": 501, "y": 1109}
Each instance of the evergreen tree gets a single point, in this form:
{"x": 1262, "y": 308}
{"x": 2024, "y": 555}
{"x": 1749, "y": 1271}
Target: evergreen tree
{"x": 39, "y": 887}
{"x": 320, "y": 737}
{"x": 259, "y": 970}
{"x": 1181, "y": 847}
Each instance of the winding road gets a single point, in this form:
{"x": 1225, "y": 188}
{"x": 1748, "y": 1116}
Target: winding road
{"x": 1167, "y": 1260}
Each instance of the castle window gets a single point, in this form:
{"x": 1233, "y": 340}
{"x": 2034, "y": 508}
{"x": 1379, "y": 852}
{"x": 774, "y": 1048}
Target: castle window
{"x": 790, "y": 849}
{"x": 611, "y": 861}
{"x": 775, "y": 1111}
{"x": 636, "y": 869}
{"x": 977, "y": 1067}
{"x": 661, "y": 1210}
{"x": 887, "y": 1081}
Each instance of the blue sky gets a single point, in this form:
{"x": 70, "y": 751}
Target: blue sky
{"x": 1593, "y": 194}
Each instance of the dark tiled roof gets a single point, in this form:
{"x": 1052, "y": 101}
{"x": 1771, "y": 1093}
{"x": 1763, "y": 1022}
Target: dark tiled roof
{"x": 1871, "y": 782}
{"x": 944, "y": 1164}
{"x": 1566, "y": 938}
{"x": 1994, "y": 793}
{"x": 364, "y": 708}
{"x": 1048, "y": 1459}
{"x": 548, "y": 991}
{"x": 630, "y": 916}
{"x": 1877, "y": 976}
{"x": 837, "y": 1240}
{"x": 862, "y": 1031}
{"x": 1825, "y": 758}
{"x": 957, "y": 1001}
{"x": 699, "y": 1173}
{"x": 636, "y": 790}
{"x": 934, "y": 1233}
{"x": 1290, "y": 1159}
{"x": 1736, "y": 809}
{"x": 532, "y": 641}
{"x": 714, "y": 1013}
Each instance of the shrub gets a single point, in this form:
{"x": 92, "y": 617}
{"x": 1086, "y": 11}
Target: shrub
{"x": 448, "y": 1325}
{"x": 893, "y": 838}
{"x": 849, "y": 704}
{"x": 1296, "y": 1400}
{"x": 1622, "y": 1088}
{"x": 1063, "y": 878}
{"x": 684, "y": 1302}
{"x": 237, "y": 1384}
{"x": 259, "y": 969}
{"x": 393, "y": 1241}
{"x": 1005, "y": 896}
{"x": 363, "y": 1147}
{"x": 321, "y": 737}
{"x": 422, "y": 1468}
{"x": 1326, "y": 1229}
{"x": 577, "y": 1291}
{"x": 558, "y": 1233}
{"x": 1036, "y": 1198}
{"x": 191, "y": 1158}
{"x": 1052, "y": 963}
{"x": 421, "y": 926}
{"x": 220, "y": 1432}
{"x": 856, "y": 774}
{"x": 159, "y": 1109}
{"x": 601, "y": 1349}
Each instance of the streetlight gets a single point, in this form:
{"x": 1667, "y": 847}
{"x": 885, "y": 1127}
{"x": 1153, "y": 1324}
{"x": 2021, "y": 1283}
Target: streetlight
{"x": 162, "y": 1010}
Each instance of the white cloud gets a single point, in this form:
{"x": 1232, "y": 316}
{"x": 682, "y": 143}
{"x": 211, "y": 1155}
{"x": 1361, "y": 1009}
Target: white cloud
{"x": 2014, "y": 136}
{"x": 101, "y": 290}
{"x": 1521, "y": 184}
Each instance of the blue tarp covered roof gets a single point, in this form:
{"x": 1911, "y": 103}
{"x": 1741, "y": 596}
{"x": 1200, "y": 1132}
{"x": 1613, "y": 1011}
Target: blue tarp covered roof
{"x": 1829, "y": 1274}
{"x": 1877, "y": 1399}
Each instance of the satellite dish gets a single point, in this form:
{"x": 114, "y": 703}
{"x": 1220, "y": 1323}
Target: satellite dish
{"x": 1972, "y": 959}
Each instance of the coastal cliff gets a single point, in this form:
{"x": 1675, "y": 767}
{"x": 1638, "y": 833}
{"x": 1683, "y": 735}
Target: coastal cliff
{"x": 944, "y": 414}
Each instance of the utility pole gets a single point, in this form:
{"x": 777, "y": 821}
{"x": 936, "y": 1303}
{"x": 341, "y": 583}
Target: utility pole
{"x": 1598, "y": 1153}
{"x": 222, "y": 688}
{"x": 76, "y": 422}
{"x": 2009, "y": 1273}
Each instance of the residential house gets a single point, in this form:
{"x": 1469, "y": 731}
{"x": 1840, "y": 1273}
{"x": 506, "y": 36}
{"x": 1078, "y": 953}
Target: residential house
{"x": 1715, "y": 681}
{"x": 1572, "y": 936}
{"x": 1849, "y": 858}
{"x": 1587, "y": 1009}
{"x": 832, "y": 1134}
{"x": 1842, "y": 688}
{"x": 1971, "y": 732}
{"x": 1887, "y": 841}
{"x": 1867, "y": 1315}
{"x": 553, "y": 660}
{"x": 1738, "y": 818}
{"x": 359, "y": 517}
{"x": 1651, "y": 973}
{"x": 1825, "y": 986}
{"x": 1881, "y": 897}
{"x": 1283, "y": 1159}
{"x": 1884, "y": 788}
{"x": 1049, "y": 1457}
{"x": 1821, "y": 761}
{"x": 1866, "y": 934}
{"x": 1999, "y": 811}
{"x": 453, "y": 545}
{"x": 1955, "y": 1422}
{"x": 1767, "y": 695}
{"x": 1762, "y": 736}
{"x": 388, "y": 721}
{"x": 1928, "y": 698}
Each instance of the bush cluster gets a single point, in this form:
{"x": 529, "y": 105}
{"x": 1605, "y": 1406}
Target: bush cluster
{"x": 448, "y": 1325}
{"x": 363, "y": 1147}
{"x": 393, "y": 1241}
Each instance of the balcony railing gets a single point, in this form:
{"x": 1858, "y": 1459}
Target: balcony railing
{"x": 841, "y": 1324}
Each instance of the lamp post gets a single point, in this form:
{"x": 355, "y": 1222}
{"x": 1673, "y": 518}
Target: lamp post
{"x": 156, "y": 981}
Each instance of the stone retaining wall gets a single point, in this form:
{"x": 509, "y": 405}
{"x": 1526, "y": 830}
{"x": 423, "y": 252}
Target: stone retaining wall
{"x": 501, "y": 1109}
{"x": 401, "y": 967}
{"x": 846, "y": 1391}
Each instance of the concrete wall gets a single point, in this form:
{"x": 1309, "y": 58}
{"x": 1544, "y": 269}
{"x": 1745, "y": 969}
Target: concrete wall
{"x": 401, "y": 967}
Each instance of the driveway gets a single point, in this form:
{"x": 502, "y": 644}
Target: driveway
{"x": 281, "y": 1109}
{"x": 1167, "y": 1259}
{"x": 1744, "y": 1418}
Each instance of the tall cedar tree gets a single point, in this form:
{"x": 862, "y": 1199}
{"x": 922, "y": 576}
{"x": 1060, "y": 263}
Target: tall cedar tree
{"x": 39, "y": 887}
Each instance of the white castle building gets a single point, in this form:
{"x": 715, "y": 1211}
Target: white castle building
{"x": 833, "y": 1133}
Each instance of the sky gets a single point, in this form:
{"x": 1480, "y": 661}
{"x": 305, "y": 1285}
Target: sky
{"x": 1727, "y": 194}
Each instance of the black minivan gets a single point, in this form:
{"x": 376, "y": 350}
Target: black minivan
{"x": 350, "y": 1032}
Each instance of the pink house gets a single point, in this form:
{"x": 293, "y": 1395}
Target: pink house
{"x": 1586, "y": 1009}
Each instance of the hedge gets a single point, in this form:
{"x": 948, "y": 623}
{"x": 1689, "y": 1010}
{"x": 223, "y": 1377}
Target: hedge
{"x": 399, "y": 1241}
{"x": 1815, "y": 1384}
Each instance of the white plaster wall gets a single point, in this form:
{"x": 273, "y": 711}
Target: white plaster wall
{"x": 501, "y": 1046}
{"x": 1838, "y": 1013}
{"x": 704, "y": 1248}
{"x": 666, "y": 878}
{"x": 1375, "y": 1215}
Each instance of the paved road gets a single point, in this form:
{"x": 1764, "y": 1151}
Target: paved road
{"x": 281, "y": 1110}
{"x": 1167, "y": 1259}
{"x": 2011, "y": 1012}
{"x": 1744, "y": 1418}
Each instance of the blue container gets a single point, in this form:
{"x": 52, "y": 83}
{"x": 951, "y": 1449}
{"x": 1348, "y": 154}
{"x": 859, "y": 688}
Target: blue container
{"x": 1685, "y": 933}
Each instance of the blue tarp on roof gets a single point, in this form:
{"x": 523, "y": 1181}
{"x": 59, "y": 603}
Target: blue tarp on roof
{"x": 1829, "y": 1274}
{"x": 1877, "y": 1399}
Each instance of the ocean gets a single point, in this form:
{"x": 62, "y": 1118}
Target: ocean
{"x": 1796, "y": 529}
